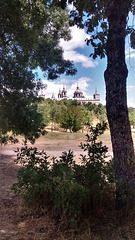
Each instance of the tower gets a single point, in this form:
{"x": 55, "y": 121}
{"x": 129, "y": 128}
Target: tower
{"x": 53, "y": 97}
{"x": 96, "y": 95}
{"x": 59, "y": 94}
{"x": 63, "y": 93}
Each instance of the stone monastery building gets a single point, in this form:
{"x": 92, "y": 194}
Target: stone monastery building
{"x": 78, "y": 95}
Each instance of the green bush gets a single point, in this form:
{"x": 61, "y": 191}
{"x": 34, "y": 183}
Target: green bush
{"x": 34, "y": 182}
{"x": 68, "y": 190}
{"x": 96, "y": 173}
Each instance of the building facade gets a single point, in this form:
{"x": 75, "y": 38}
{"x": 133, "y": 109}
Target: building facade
{"x": 78, "y": 95}
{"x": 62, "y": 94}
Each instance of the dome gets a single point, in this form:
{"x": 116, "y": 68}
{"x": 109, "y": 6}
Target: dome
{"x": 78, "y": 93}
{"x": 78, "y": 90}
{"x": 63, "y": 93}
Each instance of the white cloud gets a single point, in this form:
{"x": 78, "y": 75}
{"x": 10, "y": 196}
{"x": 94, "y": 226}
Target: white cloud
{"x": 79, "y": 58}
{"x": 130, "y": 53}
{"x": 131, "y": 102}
{"x": 78, "y": 41}
{"x": 52, "y": 87}
{"x": 131, "y": 95}
{"x": 132, "y": 87}
{"x": 71, "y": 7}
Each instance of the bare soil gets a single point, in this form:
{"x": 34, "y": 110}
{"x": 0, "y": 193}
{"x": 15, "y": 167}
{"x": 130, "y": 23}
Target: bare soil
{"x": 16, "y": 223}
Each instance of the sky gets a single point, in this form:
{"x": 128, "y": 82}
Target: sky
{"x": 90, "y": 73}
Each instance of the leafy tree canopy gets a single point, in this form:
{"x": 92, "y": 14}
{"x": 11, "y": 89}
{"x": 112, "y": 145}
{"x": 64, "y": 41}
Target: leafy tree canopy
{"x": 29, "y": 37}
{"x": 30, "y": 32}
{"x": 92, "y": 15}
{"x": 72, "y": 118}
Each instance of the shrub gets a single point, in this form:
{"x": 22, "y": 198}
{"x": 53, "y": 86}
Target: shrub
{"x": 68, "y": 190}
{"x": 97, "y": 174}
{"x": 69, "y": 196}
{"x": 34, "y": 182}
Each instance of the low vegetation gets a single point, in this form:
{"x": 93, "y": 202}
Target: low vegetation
{"x": 73, "y": 116}
{"x": 69, "y": 191}
{"x": 70, "y": 114}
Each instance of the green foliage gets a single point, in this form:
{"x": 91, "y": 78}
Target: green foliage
{"x": 68, "y": 195}
{"x": 94, "y": 12}
{"x": 97, "y": 174}
{"x": 34, "y": 183}
{"x": 20, "y": 116}
{"x": 106, "y": 23}
{"x": 50, "y": 185}
{"x": 72, "y": 118}
{"x": 30, "y": 33}
{"x": 88, "y": 117}
{"x": 70, "y": 114}
{"x": 98, "y": 111}
{"x": 44, "y": 110}
{"x": 131, "y": 113}
{"x": 29, "y": 38}
{"x": 68, "y": 190}
{"x": 92, "y": 15}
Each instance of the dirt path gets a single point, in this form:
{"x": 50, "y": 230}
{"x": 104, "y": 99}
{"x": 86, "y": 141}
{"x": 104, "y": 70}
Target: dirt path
{"x": 8, "y": 201}
{"x": 15, "y": 223}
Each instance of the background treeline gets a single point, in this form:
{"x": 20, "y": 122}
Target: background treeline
{"x": 73, "y": 116}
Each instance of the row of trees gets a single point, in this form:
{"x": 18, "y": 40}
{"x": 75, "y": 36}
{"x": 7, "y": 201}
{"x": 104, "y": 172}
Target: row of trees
{"x": 71, "y": 115}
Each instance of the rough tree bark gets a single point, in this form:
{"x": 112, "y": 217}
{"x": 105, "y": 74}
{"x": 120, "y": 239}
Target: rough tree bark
{"x": 116, "y": 101}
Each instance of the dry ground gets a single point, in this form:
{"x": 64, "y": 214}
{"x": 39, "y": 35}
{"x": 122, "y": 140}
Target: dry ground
{"x": 17, "y": 224}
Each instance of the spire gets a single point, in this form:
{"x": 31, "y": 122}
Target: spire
{"x": 77, "y": 86}
{"x": 53, "y": 96}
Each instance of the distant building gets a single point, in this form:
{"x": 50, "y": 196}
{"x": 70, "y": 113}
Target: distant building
{"x": 78, "y": 95}
{"x": 96, "y": 96}
{"x": 62, "y": 94}
{"x": 53, "y": 97}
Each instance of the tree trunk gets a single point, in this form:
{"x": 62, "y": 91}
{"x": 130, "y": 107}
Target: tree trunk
{"x": 116, "y": 101}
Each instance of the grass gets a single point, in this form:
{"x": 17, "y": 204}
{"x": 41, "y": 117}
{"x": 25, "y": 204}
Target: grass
{"x": 106, "y": 136}
{"x": 64, "y": 136}
{"x": 74, "y": 136}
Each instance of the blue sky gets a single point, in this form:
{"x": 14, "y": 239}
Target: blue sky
{"x": 90, "y": 73}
